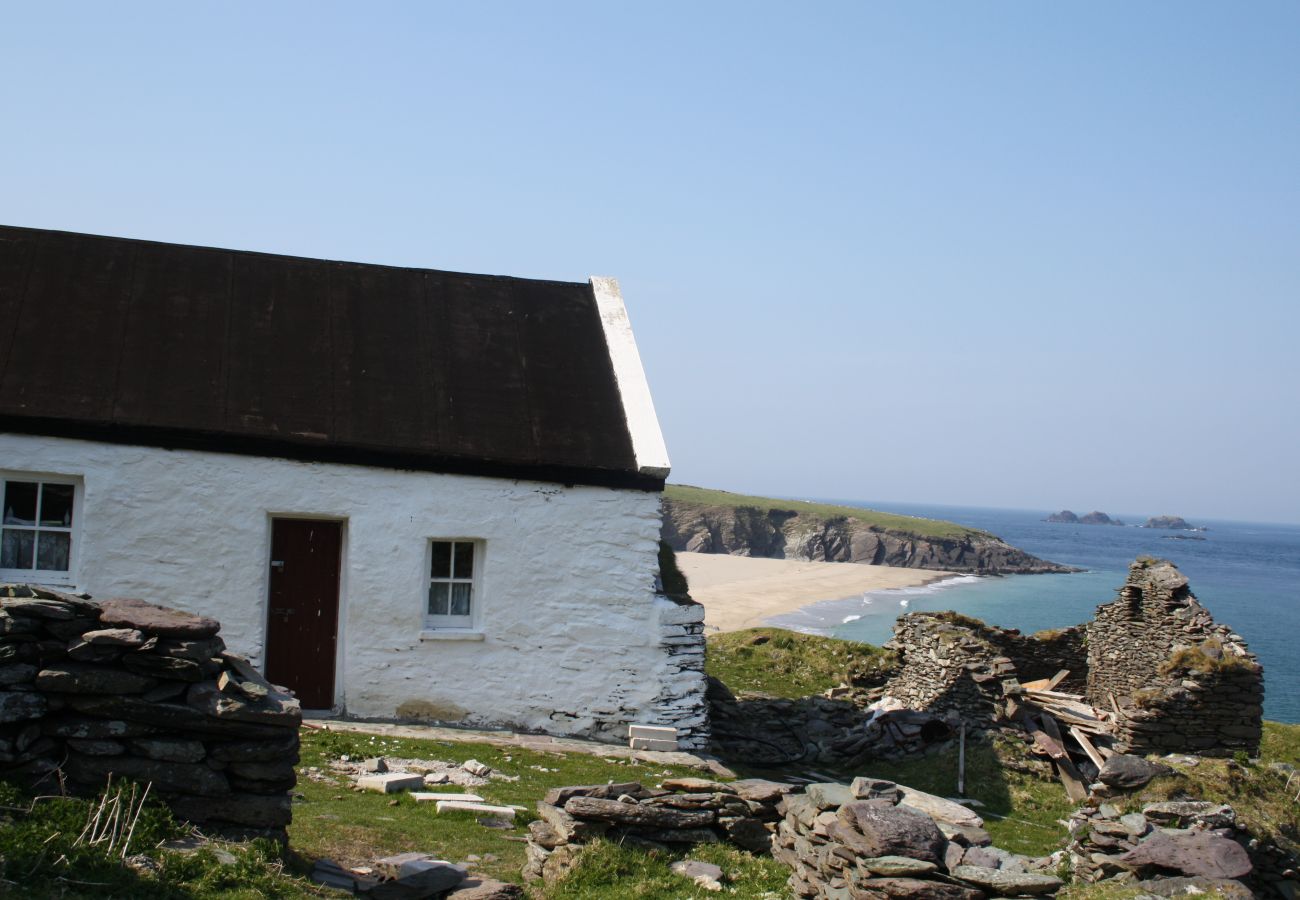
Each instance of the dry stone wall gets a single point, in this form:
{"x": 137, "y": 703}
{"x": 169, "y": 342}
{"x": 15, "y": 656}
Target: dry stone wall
{"x": 682, "y": 703}
{"x": 1180, "y": 680}
{"x": 126, "y": 689}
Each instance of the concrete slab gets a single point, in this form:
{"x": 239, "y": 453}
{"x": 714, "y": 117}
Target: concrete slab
{"x": 430, "y": 797}
{"x": 390, "y": 782}
{"x": 501, "y": 812}
{"x": 640, "y": 743}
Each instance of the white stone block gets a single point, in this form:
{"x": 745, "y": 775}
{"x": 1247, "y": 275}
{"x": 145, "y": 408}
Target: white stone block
{"x": 654, "y": 732}
{"x": 430, "y": 797}
{"x": 390, "y": 782}
{"x": 673, "y": 614}
{"x": 502, "y": 812}
{"x": 651, "y": 744}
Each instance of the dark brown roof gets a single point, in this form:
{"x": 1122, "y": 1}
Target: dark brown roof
{"x": 168, "y": 345}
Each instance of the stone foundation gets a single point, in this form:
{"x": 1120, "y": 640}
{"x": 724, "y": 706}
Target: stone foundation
{"x": 125, "y": 689}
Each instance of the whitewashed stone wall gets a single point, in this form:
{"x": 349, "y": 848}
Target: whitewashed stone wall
{"x": 571, "y": 638}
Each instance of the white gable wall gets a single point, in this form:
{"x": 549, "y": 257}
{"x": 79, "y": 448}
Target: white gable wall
{"x": 570, "y": 625}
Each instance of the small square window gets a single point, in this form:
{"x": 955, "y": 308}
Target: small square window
{"x": 36, "y": 530}
{"x": 452, "y": 583}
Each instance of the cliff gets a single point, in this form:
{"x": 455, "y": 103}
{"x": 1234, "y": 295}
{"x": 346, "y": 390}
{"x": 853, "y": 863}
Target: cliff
{"x": 704, "y": 521}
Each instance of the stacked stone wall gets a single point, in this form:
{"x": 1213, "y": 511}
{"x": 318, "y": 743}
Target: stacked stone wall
{"x": 948, "y": 665}
{"x": 125, "y": 689}
{"x": 682, "y": 702}
{"x": 1180, "y": 680}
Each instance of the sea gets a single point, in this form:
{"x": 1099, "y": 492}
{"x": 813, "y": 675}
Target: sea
{"x": 1246, "y": 574}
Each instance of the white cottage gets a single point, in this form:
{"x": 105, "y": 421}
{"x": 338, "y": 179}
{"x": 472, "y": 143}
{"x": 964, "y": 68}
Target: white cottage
{"x": 406, "y": 494}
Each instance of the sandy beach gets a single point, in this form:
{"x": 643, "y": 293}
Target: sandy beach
{"x": 741, "y": 592}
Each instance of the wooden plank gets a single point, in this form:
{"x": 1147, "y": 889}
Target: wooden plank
{"x": 1039, "y": 685}
{"x": 1012, "y": 709}
{"x": 1058, "y": 695}
{"x": 1057, "y": 679}
{"x": 1073, "y": 781}
{"x": 1097, "y": 759}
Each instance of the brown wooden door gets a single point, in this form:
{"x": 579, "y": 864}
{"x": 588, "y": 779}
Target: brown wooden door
{"x": 302, "y": 622}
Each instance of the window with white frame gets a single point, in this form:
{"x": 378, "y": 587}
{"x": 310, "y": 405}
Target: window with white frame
{"x": 453, "y": 580}
{"x": 37, "y": 522}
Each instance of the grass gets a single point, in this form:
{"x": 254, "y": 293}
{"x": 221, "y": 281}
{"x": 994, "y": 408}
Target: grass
{"x": 787, "y": 664}
{"x": 881, "y": 521}
{"x": 608, "y": 871}
{"x": 1205, "y": 657}
{"x": 354, "y": 828}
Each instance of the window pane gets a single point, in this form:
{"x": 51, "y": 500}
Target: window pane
{"x": 464, "y": 559}
{"x": 16, "y": 549}
{"x": 460, "y": 599}
{"x": 56, "y": 505}
{"x": 438, "y": 599}
{"x": 20, "y": 503}
{"x": 441, "y": 559}
{"x": 52, "y": 550}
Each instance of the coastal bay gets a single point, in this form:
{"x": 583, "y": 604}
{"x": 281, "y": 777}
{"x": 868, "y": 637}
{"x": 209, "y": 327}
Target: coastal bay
{"x": 743, "y": 592}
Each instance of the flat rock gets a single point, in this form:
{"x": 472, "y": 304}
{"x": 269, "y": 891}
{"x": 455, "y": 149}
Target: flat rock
{"x": 896, "y": 866}
{"x": 189, "y": 778}
{"x": 939, "y": 808}
{"x": 1191, "y": 853}
{"x": 474, "y": 767}
{"x": 1127, "y": 772}
{"x": 864, "y": 788}
{"x": 419, "y": 879}
{"x": 429, "y": 797}
{"x": 1195, "y": 887}
{"x": 1008, "y": 884}
{"x": 150, "y": 618}
{"x": 759, "y": 790}
{"x": 612, "y": 791}
{"x": 706, "y": 875}
{"x": 499, "y": 812}
{"x": 114, "y": 637}
{"x": 636, "y": 813}
{"x": 82, "y": 678}
{"x": 875, "y": 831}
{"x": 691, "y": 786}
{"x": 390, "y": 782}
{"x": 914, "y": 889}
{"x": 486, "y": 889}
{"x": 1181, "y": 813}
{"x": 277, "y": 708}
{"x": 829, "y": 794}
{"x": 17, "y": 706}
{"x": 251, "y": 810}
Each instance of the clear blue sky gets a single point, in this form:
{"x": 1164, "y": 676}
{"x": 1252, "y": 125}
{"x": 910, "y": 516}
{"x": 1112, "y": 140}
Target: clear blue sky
{"x": 1017, "y": 254}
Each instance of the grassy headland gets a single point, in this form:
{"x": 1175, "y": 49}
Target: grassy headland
{"x": 787, "y": 664}
{"x": 911, "y": 525}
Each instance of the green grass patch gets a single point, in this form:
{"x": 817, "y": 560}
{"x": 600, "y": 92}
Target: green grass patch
{"x": 608, "y": 871}
{"x": 788, "y": 664}
{"x": 354, "y": 828}
{"x": 883, "y": 521}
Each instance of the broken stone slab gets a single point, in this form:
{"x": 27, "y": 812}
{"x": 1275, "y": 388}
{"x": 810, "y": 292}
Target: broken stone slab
{"x": 486, "y": 889}
{"x": 390, "y": 782}
{"x": 331, "y": 874}
{"x": 476, "y": 768}
{"x": 1002, "y": 883}
{"x": 1189, "y": 812}
{"x": 374, "y": 766}
{"x": 428, "y": 797}
{"x": 828, "y": 794}
{"x": 706, "y": 875}
{"x": 566, "y": 826}
{"x": 500, "y": 812}
{"x": 612, "y": 791}
{"x": 1224, "y": 888}
{"x": 1191, "y": 853}
{"x": 874, "y": 831}
{"x": 663, "y": 746}
{"x": 277, "y": 708}
{"x": 432, "y": 778}
{"x": 912, "y": 889}
{"x": 863, "y": 788}
{"x": 114, "y": 637}
{"x": 419, "y": 879}
{"x": 83, "y": 678}
{"x": 749, "y": 834}
{"x": 1125, "y": 771}
{"x": 759, "y": 790}
{"x": 636, "y": 813}
{"x": 896, "y": 866}
{"x": 939, "y": 808}
{"x": 150, "y": 618}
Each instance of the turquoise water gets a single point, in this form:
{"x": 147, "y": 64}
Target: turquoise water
{"x": 1246, "y": 574}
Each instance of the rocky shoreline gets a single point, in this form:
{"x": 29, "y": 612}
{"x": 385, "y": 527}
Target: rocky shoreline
{"x": 791, "y": 534}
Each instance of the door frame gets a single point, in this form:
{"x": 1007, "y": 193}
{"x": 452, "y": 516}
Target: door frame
{"x": 340, "y": 675}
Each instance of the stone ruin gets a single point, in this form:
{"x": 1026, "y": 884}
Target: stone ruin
{"x": 1175, "y": 679}
{"x": 125, "y": 689}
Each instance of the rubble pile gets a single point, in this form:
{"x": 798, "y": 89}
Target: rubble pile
{"x": 877, "y": 839}
{"x": 678, "y": 811}
{"x": 126, "y": 689}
